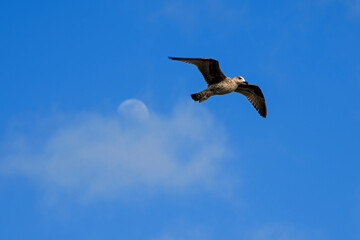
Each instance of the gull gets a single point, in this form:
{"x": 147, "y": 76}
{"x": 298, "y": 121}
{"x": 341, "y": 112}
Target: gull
{"x": 219, "y": 84}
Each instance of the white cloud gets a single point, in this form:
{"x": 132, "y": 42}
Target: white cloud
{"x": 99, "y": 156}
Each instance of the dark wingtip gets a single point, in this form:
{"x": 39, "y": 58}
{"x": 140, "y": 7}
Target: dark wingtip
{"x": 195, "y": 97}
{"x": 263, "y": 114}
{"x": 172, "y": 58}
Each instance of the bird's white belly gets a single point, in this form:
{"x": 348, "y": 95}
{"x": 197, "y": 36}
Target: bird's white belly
{"x": 223, "y": 87}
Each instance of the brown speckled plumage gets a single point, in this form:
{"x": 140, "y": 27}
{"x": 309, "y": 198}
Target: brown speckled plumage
{"x": 219, "y": 84}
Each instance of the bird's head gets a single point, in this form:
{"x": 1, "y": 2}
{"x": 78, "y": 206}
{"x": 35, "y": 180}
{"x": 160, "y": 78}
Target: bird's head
{"x": 240, "y": 80}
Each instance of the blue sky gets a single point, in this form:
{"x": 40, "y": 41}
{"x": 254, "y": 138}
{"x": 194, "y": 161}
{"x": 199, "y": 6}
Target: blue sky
{"x": 99, "y": 138}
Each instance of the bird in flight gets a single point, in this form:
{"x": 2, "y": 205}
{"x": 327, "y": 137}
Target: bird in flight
{"x": 219, "y": 84}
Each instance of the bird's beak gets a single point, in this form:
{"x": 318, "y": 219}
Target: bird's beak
{"x": 245, "y": 83}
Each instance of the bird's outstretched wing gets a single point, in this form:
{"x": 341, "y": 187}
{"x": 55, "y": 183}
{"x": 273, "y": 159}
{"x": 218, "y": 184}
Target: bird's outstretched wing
{"x": 208, "y": 67}
{"x": 255, "y": 96}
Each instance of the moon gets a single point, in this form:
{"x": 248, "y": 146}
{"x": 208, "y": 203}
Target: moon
{"x": 134, "y": 109}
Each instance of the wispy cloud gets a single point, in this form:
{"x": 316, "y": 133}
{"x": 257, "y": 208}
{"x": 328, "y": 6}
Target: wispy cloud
{"x": 353, "y": 6}
{"x": 181, "y": 229}
{"x": 99, "y": 156}
{"x": 190, "y": 234}
{"x": 271, "y": 231}
{"x": 189, "y": 15}
{"x": 277, "y": 231}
